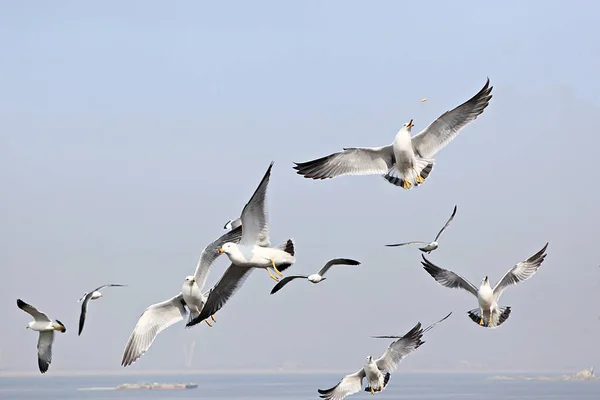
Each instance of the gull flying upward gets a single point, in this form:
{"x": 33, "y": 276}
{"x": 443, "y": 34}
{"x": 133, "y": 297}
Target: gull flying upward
{"x": 489, "y": 313}
{"x": 160, "y": 316}
{"x": 429, "y": 247}
{"x": 93, "y": 295}
{"x": 253, "y": 251}
{"x": 46, "y": 328}
{"x": 315, "y": 278}
{"x": 378, "y": 371}
{"x": 406, "y": 162}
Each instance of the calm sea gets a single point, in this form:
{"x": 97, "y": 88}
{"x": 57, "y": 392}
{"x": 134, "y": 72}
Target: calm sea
{"x": 295, "y": 387}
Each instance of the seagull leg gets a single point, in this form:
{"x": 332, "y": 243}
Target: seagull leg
{"x": 406, "y": 184}
{"x": 276, "y": 279}
{"x": 372, "y": 390}
{"x": 419, "y": 178}
{"x": 207, "y": 323}
{"x": 275, "y": 268}
{"x": 213, "y": 318}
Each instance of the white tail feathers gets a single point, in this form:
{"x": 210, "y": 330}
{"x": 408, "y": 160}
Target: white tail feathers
{"x": 411, "y": 177}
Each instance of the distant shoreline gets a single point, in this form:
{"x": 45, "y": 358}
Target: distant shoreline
{"x": 124, "y": 373}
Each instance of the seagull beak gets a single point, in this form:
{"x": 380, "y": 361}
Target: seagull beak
{"x": 410, "y": 124}
{"x": 220, "y": 251}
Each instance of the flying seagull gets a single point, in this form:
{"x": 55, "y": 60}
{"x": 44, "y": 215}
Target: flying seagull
{"x": 160, "y": 316}
{"x": 93, "y": 295}
{"x": 489, "y": 313}
{"x": 318, "y": 277}
{"x": 406, "y": 162}
{"x": 46, "y": 328}
{"x": 429, "y": 247}
{"x": 253, "y": 251}
{"x": 378, "y": 371}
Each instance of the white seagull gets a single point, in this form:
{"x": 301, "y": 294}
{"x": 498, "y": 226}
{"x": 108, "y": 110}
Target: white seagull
{"x": 406, "y": 162}
{"x": 378, "y": 371}
{"x": 429, "y": 246}
{"x": 489, "y": 314}
{"x": 46, "y": 328}
{"x": 93, "y": 295}
{"x": 160, "y": 316}
{"x": 318, "y": 277}
{"x": 253, "y": 251}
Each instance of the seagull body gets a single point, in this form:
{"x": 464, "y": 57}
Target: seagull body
{"x": 46, "y": 328}
{"x": 408, "y": 161}
{"x": 377, "y": 372}
{"x": 93, "y": 295}
{"x": 160, "y": 316}
{"x": 489, "y": 314}
{"x": 315, "y": 278}
{"x": 429, "y": 247}
{"x": 253, "y": 251}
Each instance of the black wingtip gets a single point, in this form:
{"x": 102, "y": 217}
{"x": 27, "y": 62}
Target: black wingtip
{"x": 21, "y": 303}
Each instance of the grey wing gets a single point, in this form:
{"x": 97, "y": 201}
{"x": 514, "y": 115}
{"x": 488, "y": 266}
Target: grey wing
{"x": 284, "y": 282}
{"x": 337, "y": 261}
{"x": 405, "y": 243}
{"x": 350, "y": 384}
{"x": 84, "y": 311}
{"x": 351, "y": 161}
{"x": 448, "y": 278}
{"x": 233, "y": 223}
{"x": 31, "y": 310}
{"x": 211, "y": 252}
{"x": 399, "y": 349}
{"x": 254, "y": 215}
{"x": 441, "y": 131}
{"x": 44, "y": 348}
{"x": 233, "y": 278}
{"x": 154, "y": 320}
{"x": 521, "y": 272}
{"x": 108, "y": 285}
{"x": 445, "y": 225}
{"x": 424, "y": 330}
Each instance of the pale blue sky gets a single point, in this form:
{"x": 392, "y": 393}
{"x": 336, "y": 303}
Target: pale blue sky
{"x": 124, "y": 124}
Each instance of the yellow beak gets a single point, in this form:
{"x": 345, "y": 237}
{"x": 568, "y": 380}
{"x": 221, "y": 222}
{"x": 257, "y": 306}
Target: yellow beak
{"x": 410, "y": 124}
{"x": 221, "y": 251}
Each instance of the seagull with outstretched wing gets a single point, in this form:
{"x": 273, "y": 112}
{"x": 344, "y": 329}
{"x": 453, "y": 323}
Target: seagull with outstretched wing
{"x": 85, "y": 299}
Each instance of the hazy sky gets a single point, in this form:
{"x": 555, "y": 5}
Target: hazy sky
{"x": 130, "y": 132}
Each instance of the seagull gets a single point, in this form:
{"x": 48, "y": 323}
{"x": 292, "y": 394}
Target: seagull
{"x": 406, "y": 162}
{"x": 378, "y": 371}
{"x": 232, "y": 224}
{"x": 429, "y": 247}
{"x": 93, "y": 295}
{"x": 160, "y": 316}
{"x": 253, "y": 251}
{"x": 46, "y": 328}
{"x": 318, "y": 277}
{"x": 489, "y": 314}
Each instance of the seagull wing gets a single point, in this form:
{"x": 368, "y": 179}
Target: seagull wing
{"x": 337, "y": 261}
{"x": 211, "y": 252}
{"x": 399, "y": 349}
{"x": 44, "y": 347}
{"x": 350, "y": 384}
{"x": 284, "y": 282}
{"x": 107, "y": 285}
{"x": 405, "y": 243}
{"x": 441, "y": 131}
{"x": 521, "y": 272}
{"x": 446, "y": 225}
{"x": 154, "y": 320}
{"x": 31, "y": 310}
{"x": 227, "y": 286}
{"x": 254, "y": 215}
{"x": 351, "y": 161}
{"x": 448, "y": 278}
{"x": 83, "y": 313}
{"x": 424, "y": 330}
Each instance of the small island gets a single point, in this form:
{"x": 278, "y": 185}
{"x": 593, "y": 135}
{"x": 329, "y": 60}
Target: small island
{"x": 584, "y": 375}
{"x": 147, "y": 386}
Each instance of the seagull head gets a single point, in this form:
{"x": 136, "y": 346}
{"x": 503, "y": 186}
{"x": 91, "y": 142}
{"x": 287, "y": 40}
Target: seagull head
{"x": 485, "y": 281}
{"x": 409, "y": 125}
{"x": 226, "y": 248}
{"x": 59, "y": 326}
{"x": 190, "y": 279}
{"x": 369, "y": 359}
